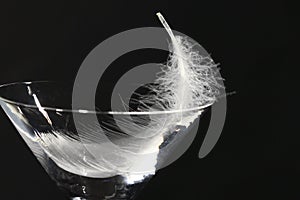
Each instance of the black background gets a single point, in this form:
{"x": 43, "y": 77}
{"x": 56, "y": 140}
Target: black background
{"x": 257, "y": 156}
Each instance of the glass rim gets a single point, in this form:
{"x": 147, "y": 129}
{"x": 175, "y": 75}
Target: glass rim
{"x": 90, "y": 111}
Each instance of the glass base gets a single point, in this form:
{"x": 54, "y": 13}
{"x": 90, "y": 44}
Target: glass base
{"x": 77, "y": 187}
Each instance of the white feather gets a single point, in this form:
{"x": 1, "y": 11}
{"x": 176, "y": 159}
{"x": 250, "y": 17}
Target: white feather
{"x": 186, "y": 85}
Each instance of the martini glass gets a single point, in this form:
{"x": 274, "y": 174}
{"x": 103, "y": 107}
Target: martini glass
{"x": 111, "y": 158}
